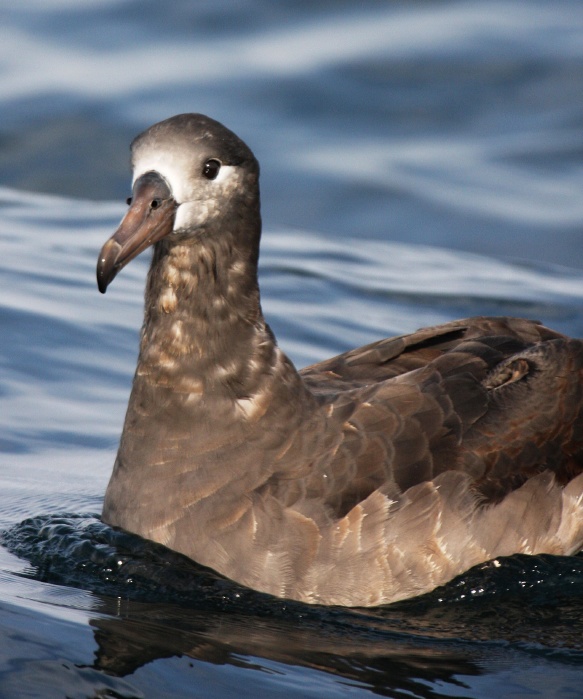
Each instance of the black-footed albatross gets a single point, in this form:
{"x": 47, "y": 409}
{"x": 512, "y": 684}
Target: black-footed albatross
{"x": 368, "y": 478}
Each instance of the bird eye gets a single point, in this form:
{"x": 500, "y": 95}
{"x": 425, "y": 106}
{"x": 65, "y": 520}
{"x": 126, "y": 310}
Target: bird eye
{"x": 211, "y": 169}
{"x": 128, "y": 201}
{"x": 155, "y": 203}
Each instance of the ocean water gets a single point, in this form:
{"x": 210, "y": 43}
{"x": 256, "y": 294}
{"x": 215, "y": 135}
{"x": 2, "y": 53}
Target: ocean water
{"x": 421, "y": 161}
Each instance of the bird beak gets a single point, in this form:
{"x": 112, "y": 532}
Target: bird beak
{"x": 149, "y": 218}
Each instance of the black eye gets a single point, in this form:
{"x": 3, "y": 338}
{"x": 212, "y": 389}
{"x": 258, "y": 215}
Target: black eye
{"x": 155, "y": 203}
{"x": 211, "y": 169}
{"x": 128, "y": 201}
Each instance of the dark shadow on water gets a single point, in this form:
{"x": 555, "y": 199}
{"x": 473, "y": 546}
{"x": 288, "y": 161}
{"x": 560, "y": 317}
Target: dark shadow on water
{"x": 384, "y": 663}
{"x": 151, "y": 603}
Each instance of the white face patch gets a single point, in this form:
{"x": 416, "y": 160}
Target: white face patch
{"x": 193, "y": 214}
{"x": 226, "y": 174}
{"x": 198, "y": 198}
{"x": 175, "y": 168}
{"x": 172, "y": 167}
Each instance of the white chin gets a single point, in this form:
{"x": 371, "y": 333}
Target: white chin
{"x": 191, "y": 215}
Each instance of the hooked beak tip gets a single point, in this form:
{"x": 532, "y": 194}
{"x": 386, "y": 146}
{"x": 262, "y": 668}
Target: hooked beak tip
{"x": 101, "y": 285}
{"x": 107, "y": 266}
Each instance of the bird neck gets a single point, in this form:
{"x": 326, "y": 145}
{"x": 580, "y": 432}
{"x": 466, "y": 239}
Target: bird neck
{"x": 203, "y": 326}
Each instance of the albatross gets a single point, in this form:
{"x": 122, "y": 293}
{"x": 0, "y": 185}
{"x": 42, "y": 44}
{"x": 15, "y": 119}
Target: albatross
{"x": 367, "y": 478}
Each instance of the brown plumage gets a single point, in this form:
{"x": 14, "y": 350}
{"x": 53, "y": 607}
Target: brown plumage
{"x": 368, "y": 478}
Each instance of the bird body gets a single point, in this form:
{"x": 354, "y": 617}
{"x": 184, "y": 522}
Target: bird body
{"x": 364, "y": 479}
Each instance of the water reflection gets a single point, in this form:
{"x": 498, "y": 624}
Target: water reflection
{"x": 369, "y": 659}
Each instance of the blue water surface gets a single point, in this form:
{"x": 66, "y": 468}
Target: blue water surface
{"x": 421, "y": 161}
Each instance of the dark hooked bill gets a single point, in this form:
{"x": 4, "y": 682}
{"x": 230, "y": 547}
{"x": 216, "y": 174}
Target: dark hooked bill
{"x": 149, "y": 219}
